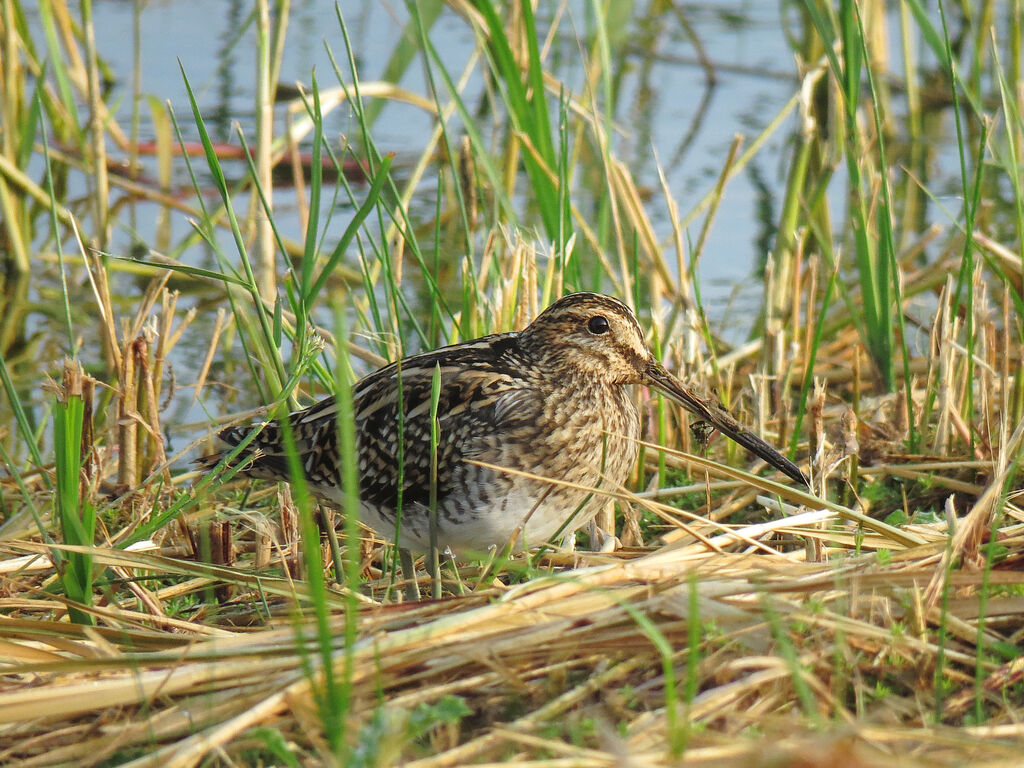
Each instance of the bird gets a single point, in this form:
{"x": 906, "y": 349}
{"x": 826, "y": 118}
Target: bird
{"x": 536, "y": 428}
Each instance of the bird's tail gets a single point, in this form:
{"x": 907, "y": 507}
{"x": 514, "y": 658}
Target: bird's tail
{"x": 262, "y": 457}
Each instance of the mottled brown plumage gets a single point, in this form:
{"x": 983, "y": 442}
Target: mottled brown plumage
{"x": 552, "y": 401}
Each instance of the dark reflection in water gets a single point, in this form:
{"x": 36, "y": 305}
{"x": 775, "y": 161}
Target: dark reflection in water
{"x": 767, "y": 229}
{"x": 13, "y": 309}
{"x": 223, "y": 112}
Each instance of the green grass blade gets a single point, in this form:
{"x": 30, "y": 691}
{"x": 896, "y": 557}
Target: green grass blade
{"x": 76, "y": 514}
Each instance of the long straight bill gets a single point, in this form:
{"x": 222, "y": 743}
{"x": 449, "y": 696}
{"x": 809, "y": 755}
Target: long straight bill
{"x": 711, "y": 411}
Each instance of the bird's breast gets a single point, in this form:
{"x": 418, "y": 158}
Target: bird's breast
{"x": 591, "y": 432}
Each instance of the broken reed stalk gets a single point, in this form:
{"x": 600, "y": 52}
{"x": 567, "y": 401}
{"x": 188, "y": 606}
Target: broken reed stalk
{"x": 127, "y": 427}
{"x": 147, "y": 341}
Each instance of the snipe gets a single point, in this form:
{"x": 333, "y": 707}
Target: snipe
{"x": 516, "y": 412}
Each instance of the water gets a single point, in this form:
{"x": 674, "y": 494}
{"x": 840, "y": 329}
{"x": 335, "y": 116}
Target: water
{"x": 668, "y": 110}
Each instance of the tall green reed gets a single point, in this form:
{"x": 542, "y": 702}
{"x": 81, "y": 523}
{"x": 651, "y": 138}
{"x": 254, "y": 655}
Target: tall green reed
{"x": 874, "y": 260}
{"x": 529, "y": 115}
{"x": 74, "y": 509}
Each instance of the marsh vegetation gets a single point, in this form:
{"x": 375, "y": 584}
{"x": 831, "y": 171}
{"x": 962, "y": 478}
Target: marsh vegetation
{"x": 174, "y": 259}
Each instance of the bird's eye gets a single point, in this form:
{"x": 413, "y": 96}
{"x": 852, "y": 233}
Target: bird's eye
{"x": 598, "y": 324}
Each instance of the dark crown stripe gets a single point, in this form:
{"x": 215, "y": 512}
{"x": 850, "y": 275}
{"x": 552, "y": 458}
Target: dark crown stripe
{"x": 593, "y": 302}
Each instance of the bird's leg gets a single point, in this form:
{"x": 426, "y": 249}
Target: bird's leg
{"x": 600, "y": 540}
{"x": 607, "y": 542}
{"x": 603, "y": 539}
{"x": 412, "y": 590}
{"x": 569, "y": 541}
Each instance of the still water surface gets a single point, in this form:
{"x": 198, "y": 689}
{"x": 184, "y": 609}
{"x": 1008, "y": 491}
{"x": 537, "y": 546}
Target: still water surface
{"x": 687, "y": 81}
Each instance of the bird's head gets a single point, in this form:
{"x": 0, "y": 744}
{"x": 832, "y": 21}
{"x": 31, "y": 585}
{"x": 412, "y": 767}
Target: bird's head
{"x": 591, "y": 339}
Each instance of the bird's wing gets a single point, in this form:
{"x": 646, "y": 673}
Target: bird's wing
{"x": 479, "y": 382}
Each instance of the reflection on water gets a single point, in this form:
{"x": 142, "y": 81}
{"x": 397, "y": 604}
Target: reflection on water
{"x": 227, "y": 59}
